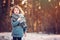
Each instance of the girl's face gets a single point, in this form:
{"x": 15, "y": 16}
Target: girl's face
{"x": 16, "y": 10}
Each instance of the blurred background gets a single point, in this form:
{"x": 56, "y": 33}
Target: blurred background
{"x": 41, "y": 15}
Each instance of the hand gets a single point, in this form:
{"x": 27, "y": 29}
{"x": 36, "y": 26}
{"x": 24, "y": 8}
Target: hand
{"x": 19, "y": 19}
{"x": 25, "y": 34}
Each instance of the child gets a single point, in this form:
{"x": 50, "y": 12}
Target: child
{"x": 18, "y": 23}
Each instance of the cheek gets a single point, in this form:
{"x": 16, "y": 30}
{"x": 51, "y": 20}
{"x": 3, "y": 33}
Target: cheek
{"x": 14, "y": 11}
{"x": 17, "y": 11}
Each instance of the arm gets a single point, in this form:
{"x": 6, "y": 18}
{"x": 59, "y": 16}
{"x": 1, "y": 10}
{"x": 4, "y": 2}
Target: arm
{"x": 14, "y": 23}
{"x": 23, "y": 22}
{"x": 24, "y": 26}
{"x": 21, "y": 9}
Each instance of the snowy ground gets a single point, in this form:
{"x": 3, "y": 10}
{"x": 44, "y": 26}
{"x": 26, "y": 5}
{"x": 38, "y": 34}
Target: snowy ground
{"x": 31, "y": 36}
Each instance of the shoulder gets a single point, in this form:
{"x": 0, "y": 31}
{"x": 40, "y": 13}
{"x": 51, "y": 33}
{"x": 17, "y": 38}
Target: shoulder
{"x": 21, "y": 15}
{"x": 12, "y": 15}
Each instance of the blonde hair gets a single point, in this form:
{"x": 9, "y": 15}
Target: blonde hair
{"x": 16, "y": 6}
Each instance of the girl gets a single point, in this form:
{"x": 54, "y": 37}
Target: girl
{"x": 18, "y": 23}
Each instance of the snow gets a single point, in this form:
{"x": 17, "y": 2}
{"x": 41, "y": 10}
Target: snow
{"x": 31, "y": 36}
